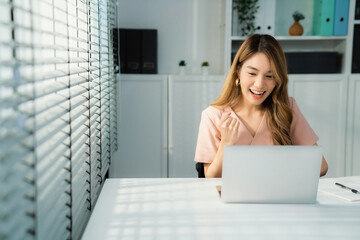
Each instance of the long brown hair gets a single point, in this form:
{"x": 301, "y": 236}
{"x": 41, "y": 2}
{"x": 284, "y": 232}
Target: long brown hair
{"x": 276, "y": 105}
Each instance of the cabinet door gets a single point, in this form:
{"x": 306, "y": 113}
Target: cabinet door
{"x": 188, "y": 97}
{"x": 353, "y": 131}
{"x": 322, "y": 100}
{"x": 142, "y": 127}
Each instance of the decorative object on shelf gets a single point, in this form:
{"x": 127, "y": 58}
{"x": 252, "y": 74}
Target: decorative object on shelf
{"x": 246, "y": 10}
{"x": 296, "y": 29}
{"x": 205, "y": 68}
{"x": 182, "y": 67}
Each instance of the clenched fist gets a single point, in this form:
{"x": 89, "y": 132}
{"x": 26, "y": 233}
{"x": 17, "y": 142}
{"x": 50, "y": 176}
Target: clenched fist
{"x": 229, "y": 128}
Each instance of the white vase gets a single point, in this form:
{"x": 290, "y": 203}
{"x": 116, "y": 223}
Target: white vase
{"x": 182, "y": 70}
{"x": 205, "y": 70}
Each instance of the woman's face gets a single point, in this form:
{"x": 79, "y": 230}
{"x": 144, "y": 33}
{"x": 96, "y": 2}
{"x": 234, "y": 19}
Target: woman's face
{"x": 256, "y": 79}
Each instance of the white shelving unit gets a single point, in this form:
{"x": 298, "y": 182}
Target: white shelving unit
{"x": 280, "y": 20}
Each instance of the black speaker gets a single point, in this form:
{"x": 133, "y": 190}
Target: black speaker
{"x": 355, "y": 66}
{"x": 313, "y": 62}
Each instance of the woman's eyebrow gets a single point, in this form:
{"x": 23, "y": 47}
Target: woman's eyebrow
{"x": 254, "y": 68}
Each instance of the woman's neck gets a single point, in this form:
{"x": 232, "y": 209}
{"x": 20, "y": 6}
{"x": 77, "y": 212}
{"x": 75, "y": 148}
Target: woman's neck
{"x": 248, "y": 109}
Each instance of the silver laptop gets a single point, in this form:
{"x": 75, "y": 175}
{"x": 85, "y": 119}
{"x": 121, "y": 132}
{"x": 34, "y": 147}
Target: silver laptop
{"x": 271, "y": 174}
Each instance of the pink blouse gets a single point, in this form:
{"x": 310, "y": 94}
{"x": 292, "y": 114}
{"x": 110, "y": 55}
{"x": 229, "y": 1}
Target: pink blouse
{"x": 209, "y": 135}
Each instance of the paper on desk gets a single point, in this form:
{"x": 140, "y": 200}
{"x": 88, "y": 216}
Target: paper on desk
{"x": 328, "y": 186}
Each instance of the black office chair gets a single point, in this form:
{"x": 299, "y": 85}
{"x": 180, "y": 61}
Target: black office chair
{"x": 200, "y": 169}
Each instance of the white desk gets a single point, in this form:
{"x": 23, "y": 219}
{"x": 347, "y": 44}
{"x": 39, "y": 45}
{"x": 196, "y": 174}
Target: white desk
{"x": 191, "y": 209}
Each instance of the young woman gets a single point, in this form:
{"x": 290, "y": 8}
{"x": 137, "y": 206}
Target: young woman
{"x": 253, "y": 108}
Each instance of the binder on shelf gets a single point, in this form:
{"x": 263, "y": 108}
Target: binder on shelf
{"x": 138, "y": 50}
{"x": 265, "y": 17}
{"x": 355, "y": 67}
{"x": 116, "y": 42}
{"x": 323, "y": 23}
{"x": 122, "y": 50}
{"x": 133, "y": 51}
{"x": 149, "y": 51}
{"x": 341, "y": 17}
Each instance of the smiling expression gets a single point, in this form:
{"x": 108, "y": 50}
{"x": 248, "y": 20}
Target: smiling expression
{"x": 256, "y": 79}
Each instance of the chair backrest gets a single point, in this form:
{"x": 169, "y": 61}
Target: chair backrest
{"x": 200, "y": 169}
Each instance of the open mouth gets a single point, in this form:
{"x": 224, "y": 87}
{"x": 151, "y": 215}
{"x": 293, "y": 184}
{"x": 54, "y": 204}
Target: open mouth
{"x": 256, "y": 92}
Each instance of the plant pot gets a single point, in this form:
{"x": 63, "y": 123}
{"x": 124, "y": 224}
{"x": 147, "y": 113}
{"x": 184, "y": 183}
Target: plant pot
{"x": 182, "y": 70}
{"x": 296, "y": 29}
{"x": 205, "y": 70}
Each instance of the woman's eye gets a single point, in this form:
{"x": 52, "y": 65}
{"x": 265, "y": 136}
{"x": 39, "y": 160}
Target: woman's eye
{"x": 252, "y": 74}
{"x": 269, "y": 76}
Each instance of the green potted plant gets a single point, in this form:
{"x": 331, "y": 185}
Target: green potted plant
{"x": 205, "y": 68}
{"x": 182, "y": 67}
{"x": 246, "y": 12}
{"x": 296, "y": 29}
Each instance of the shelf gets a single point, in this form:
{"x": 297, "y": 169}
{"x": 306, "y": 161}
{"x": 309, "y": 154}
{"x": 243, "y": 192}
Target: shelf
{"x": 298, "y": 38}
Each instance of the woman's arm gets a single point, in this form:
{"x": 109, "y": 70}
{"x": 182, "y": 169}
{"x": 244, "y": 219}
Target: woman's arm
{"x": 214, "y": 169}
{"x": 229, "y": 128}
{"x": 324, "y": 165}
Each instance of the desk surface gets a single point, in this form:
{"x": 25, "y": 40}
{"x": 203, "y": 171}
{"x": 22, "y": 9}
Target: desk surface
{"x": 191, "y": 209}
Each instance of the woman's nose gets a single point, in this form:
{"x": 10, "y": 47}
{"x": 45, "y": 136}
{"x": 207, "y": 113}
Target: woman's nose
{"x": 259, "y": 82}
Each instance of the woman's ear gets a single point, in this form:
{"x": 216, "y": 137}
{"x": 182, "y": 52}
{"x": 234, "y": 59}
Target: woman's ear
{"x": 238, "y": 72}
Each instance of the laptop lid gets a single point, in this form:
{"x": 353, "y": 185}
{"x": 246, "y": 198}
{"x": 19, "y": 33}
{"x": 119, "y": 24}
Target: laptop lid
{"x": 271, "y": 174}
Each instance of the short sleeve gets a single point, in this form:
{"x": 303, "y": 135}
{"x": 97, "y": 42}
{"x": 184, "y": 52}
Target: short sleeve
{"x": 208, "y": 138}
{"x": 300, "y": 132}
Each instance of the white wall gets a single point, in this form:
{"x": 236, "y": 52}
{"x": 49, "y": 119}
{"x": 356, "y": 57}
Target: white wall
{"x": 190, "y": 30}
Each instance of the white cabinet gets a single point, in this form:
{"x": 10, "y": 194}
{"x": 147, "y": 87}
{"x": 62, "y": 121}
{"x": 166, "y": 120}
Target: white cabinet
{"x": 159, "y": 118}
{"x": 322, "y": 100}
{"x": 188, "y": 96}
{"x": 353, "y": 127}
{"x": 160, "y": 115}
{"x": 142, "y": 150}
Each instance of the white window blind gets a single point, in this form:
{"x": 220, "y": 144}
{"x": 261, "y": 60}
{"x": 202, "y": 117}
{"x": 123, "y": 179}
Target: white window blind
{"x": 57, "y": 114}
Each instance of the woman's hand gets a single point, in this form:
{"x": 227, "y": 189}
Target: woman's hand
{"x": 229, "y": 127}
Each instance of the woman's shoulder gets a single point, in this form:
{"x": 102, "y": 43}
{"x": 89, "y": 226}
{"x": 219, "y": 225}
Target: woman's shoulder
{"x": 292, "y": 102}
{"x": 215, "y": 112}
